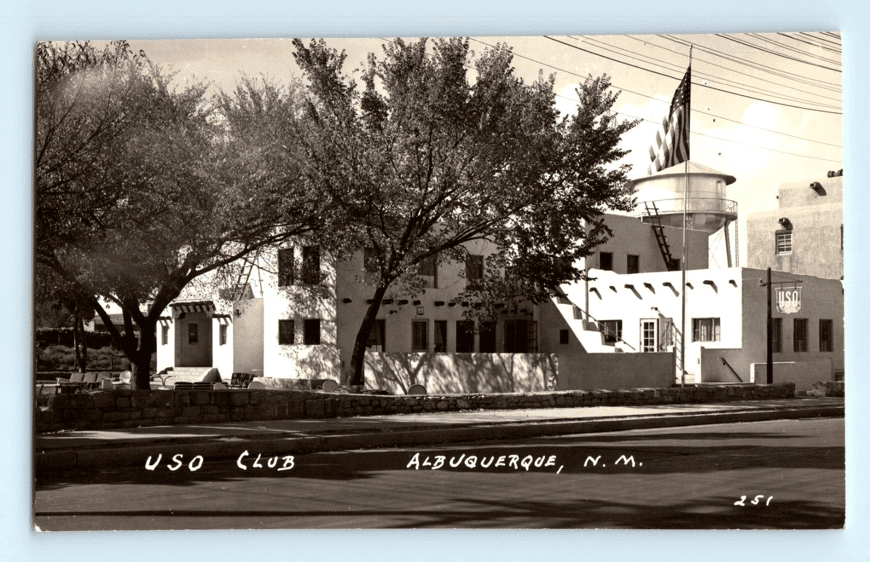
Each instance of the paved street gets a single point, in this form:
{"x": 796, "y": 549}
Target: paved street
{"x": 791, "y": 473}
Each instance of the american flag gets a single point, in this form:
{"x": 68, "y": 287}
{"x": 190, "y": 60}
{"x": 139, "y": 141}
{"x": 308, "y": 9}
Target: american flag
{"x": 672, "y": 141}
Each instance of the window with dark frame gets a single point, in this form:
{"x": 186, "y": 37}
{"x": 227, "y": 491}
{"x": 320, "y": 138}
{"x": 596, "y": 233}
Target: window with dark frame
{"x": 222, "y": 334}
{"x": 783, "y": 242}
{"x": 706, "y": 329}
{"x": 428, "y": 267}
{"x": 487, "y": 337}
{"x": 440, "y": 336}
{"x": 605, "y": 261}
{"x": 286, "y": 267}
{"x": 193, "y": 333}
{"x": 420, "y": 335}
{"x": 286, "y": 332}
{"x": 520, "y": 336}
{"x": 311, "y": 265}
{"x": 563, "y": 337}
{"x": 311, "y": 331}
{"x": 632, "y": 264}
{"x": 164, "y": 335}
{"x": 826, "y": 335}
{"x": 776, "y": 340}
{"x": 464, "y": 336}
{"x": 612, "y": 330}
{"x": 473, "y": 269}
{"x": 800, "y": 334}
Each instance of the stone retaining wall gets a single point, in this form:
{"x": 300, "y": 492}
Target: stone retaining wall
{"x": 128, "y": 408}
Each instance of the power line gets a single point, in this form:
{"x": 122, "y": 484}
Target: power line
{"x": 695, "y": 84}
{"x": 811, "y": 43}
{"x": 712, "y": 78}
{"x": 772, "y": 52}
{"x": 761, "y": 37}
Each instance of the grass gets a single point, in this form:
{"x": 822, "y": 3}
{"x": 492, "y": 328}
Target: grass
{"x": 63, "y": 358}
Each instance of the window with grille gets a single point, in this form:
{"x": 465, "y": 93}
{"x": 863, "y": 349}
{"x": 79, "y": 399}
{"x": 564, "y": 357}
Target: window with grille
{"x": 826, "y": 335}
{"x": 612, "y": 330}
{"x": 464, "y": 336}
{"x": 286, "y": 267}
{"x": 783, "y": 243}
{"x": 440, "y": 336}
{"x": 311, "y": 331}
{"x": 800, "y": 334}
{"x": 705, "y": 329}
{"x": 286, "y": 332}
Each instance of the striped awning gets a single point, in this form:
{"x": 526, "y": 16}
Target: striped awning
{"x": 193, "y": 306}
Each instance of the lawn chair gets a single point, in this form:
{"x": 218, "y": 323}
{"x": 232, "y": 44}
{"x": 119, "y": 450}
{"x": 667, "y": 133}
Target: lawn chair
{"x": 241, "y": 380}
{"x": 183, "y": 386}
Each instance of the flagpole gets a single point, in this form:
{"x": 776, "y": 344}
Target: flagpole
{"x": 684, "y": 261}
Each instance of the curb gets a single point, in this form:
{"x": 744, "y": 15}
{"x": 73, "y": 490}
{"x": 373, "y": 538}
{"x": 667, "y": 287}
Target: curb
{"x": 116, "y": 457}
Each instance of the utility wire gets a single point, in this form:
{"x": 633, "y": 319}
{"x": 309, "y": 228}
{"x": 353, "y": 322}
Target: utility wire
{"x": 695, "y": 84}
{"x": 801, "y": 52}
{"x": 772, "y": 52}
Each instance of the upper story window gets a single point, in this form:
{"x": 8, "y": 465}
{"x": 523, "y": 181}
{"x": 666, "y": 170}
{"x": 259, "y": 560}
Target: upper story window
{"x": 311, "y": 265}
{"x": 783, "y": 243}
{"x": 612, "y": 330}
{"x": 826, "y": 335}
{"x": 428, "y": 267}
{"x": 311, "y": 331}
{"x": 286, "y": 267}
{"x": 473, "y": 269}
{"x": 632, "y": 264}
{"x": 286, "y": 332}
{"x": 370, "y": 260}
{"x": 605, "y": 261}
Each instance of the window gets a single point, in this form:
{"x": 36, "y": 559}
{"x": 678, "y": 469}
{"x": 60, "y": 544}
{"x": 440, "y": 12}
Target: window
{"x": 648, "y": 336}
{"x": 520, "y": 336}
{"x": 193, "y": 333}
{"x": 473, "y": 269}
{"x": 800, "y": 334}
{"x": 164, "y": 335}
{"x": 428, "y": 267}
{"x": 632, "y": 264}
{"x": 487, "y": 337}
{"x": 311, "y": 331}
{"x": 563, "y": 337}
{"x": 783, "y": 243}
{"x": 285, "y": 267}
{"x": 286, "y": 332}
{"x": 311, "y": 265}
{"x": 440, "y": 336}
{"x": 776, "y": 343}
{"x": 612, "y": 330}
{"x": 420, "y": 333}
{"x": 826, "y": 335}
{"x": 605, "y": 261}
{"x": 705, "y": 329}
{"x": 222, "y": 335}
{"x": 377, "y": 336}
{"x": 464, "y": 336}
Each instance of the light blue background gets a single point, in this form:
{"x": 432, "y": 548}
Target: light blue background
{"x": 24, "y": 23}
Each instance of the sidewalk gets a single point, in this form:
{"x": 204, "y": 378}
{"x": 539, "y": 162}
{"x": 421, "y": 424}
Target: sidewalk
{"x": 69, "y": 450}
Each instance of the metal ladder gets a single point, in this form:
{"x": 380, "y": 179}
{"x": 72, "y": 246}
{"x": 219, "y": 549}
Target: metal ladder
{"x": 655, "y": 221}
{"x": 241, "y": 285}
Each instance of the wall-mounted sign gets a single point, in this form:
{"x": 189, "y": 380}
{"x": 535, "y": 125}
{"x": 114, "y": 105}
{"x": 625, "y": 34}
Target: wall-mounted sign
{"x": 788, "y": 299}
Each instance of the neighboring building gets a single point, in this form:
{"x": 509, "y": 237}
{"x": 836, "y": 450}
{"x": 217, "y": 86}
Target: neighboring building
{"x": 804, "y": 234}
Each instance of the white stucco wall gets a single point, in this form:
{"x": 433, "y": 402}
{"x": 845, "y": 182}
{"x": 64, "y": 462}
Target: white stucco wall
{"x": 247, "y": 335}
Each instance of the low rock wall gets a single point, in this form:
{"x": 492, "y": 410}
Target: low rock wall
{"x": 137, "y": 408}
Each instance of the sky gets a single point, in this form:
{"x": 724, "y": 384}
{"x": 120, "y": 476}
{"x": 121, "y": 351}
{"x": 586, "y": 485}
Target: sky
{"x": 735, "y": 128}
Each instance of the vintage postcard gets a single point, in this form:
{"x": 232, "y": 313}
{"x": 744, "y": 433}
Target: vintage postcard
{"x": 560, "y": 282}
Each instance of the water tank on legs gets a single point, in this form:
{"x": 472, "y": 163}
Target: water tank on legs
{"x": 707, "y": 207}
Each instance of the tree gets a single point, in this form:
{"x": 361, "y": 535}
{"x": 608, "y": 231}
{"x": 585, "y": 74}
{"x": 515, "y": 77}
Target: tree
{"x": 59, "y": 306}
{"x": 141, "y": 188}
{"x": 425, "y": 160}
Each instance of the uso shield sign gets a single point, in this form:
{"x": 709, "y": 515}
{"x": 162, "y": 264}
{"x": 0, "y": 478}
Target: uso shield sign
{"x": 788, "y": 300}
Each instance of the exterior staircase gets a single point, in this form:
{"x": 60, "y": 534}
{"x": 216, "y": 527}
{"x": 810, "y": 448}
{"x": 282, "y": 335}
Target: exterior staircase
{"x": 585, "y": 329}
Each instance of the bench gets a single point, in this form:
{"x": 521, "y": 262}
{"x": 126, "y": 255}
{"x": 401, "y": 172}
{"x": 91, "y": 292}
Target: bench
{"x": 190, "y": 386}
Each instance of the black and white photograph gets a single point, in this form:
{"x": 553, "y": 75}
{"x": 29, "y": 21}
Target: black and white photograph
{"x": 525, "y": 282}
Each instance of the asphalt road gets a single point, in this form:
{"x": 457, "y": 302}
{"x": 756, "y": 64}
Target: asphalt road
{"x": 787, "y": 474}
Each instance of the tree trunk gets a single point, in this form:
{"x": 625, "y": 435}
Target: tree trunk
{"x": 357, "y": 360}
{"x": 140, "y": 362}
{"x": 77, "y": 344}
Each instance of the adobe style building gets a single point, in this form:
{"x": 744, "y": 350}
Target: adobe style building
{"x": 300, "y": 314}
{"x": 804, "y": 234}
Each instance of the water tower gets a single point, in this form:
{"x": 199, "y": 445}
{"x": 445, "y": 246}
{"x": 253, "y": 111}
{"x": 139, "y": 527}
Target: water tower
{"x": 661, "y": 198}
